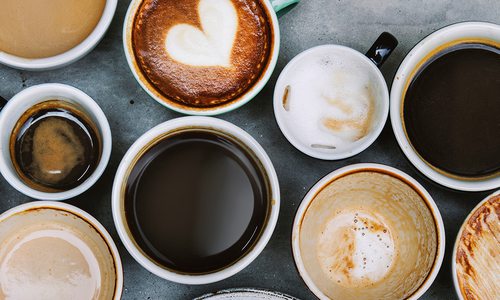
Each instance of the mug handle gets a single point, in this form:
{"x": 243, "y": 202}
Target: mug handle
{"x": 382, "y": 48}
{"x": 3, "y": 102}
{"x": 281, "y": 7}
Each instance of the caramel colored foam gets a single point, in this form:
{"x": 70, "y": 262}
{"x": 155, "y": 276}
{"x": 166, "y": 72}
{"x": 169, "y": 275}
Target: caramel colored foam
{"x": 201, "y": 82}
{"x": 38, "y": 29}
{"x": 477, "y": 255}
{"x": 368, "y": 235}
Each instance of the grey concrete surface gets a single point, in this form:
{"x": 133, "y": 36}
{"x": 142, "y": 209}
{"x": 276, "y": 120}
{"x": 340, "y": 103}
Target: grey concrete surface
{"x": 104, "y": 75}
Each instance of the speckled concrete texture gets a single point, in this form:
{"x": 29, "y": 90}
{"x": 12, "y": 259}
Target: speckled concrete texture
{"x": 104, "y": 75}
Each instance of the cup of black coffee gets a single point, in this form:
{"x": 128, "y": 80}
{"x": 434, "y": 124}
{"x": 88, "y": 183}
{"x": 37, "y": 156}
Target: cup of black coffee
{"x": 195, "y": 200}
{"x": 55, "y": 142}
{"x": 445, "y": 106}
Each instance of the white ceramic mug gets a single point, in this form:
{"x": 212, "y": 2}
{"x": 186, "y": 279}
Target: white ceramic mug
{"x": 272, "y": 6}
{"x": 70, "y": 56}
{"x": 76, "y": 227}
{"x": 424, "y": 50}
{"x": 138, "y": 148}
{"x": 405, "y": 212}
{"x": 370, "y": 63}
{"x": 20, "y": 103}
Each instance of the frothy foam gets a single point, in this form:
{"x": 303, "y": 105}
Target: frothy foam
{"x": 48, "y": 264}
{"x": 211, "y": 46}
{"x": 355, "y": 249}
{"x": 329, "y": 102}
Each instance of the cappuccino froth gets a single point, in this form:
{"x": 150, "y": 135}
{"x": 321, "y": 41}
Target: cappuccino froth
{"x": 210, "y": 46}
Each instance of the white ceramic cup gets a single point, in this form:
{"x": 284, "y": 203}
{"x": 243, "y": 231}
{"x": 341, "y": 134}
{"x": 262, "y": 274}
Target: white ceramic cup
{"x": 272, "y": 6}
{"x": 480, "y": 252}
{"x": 370, "y": 62}
{"x": 137, "y": 149}
{"x": 70, "y": 56}
{"x": 79, "y": 224}
{"x": 432, "y": 44}
{"x": 31, "y": 96}
{"x": 321, "y": 215}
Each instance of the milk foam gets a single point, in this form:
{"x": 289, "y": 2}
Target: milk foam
{"x": 211, "y": 46}
{"x": 331, "y": 100}
{"x": 355, "y": 249}
{"x": 48, "y": 264}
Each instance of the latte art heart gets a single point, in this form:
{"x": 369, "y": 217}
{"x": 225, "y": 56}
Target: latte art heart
{"x": 211, "y": 46}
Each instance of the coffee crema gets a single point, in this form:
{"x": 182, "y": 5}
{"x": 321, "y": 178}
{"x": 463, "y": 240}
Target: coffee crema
{"x": 451, "y": 111}
{"x": 196, "y": 201}
{"x": 40, "y": 29}
{"x": 54, "y": 146}
{"x": 202, "y": 53}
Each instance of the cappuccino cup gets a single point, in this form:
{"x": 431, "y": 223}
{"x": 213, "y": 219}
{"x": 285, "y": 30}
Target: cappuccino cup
{"x": 368, "y": 231}
{"x": 55, "y": 142}
{"x": 52, "y": 250}
{"x": 202, "y": 57}
{"x": 195, "y": 200}
{"x": 46, "y": 35}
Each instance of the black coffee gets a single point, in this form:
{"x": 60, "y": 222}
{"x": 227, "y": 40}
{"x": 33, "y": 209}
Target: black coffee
{"x": 55, "y": 146}
{"x": 452, "y": 110}
{"x": 196, "y": 201}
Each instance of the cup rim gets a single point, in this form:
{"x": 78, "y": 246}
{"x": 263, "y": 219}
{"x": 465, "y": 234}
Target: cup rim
{"x": 401, "y": 77}
{"x": 457, "y": 241}
{"x": 128, "y": 161}
{"x": 70, "y": 56}
{"x": 102, "y": 124}
{"x": 370, "y": 139}
{"x": 356, "y": 168}
{"x": 83, "y": 215}
{"x": 184, "y": 109}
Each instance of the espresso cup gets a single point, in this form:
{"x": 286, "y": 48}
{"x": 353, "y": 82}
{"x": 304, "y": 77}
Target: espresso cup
{"x": 170, "y": 234}
{"x": 16, "y": 108}
{"x": 70, "y": 56}
{"x": 368, "y": 231}
{"x": 218, "y": 67}
{"x": 423, "y": 56}
{"x": 52, "y": 250}
{"x": 331, "y": 102}
{"x": 474, "y": 262}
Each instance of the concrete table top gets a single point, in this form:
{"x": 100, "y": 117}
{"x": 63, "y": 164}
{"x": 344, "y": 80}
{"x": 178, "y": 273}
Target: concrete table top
{"x": 105, "y": 76}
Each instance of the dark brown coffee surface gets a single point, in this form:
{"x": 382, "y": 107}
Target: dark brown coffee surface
{"x": 196, "y": 202}
{"x": 55, "y": 147}
{"x": 201, "y": 86}
{"x": 452, "y": 110}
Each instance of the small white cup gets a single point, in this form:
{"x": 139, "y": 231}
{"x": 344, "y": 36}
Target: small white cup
{"x": 78, "y": 223}
{"x": 70, "y": 56}
{"x": 137, "y": 149}
{"x": 424, "y": 50}
{"x": 31, "y": 96}
{"x": 370, "y": 62}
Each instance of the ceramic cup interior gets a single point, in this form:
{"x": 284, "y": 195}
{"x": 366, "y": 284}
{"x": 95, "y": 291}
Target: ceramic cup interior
{"x": 475, "y": 255}
{"x": 355, "y": 77}
{"x": 368, "y": 231}
{"x": 434, "y": 43}
{"x": 175, "y": 105}
{"x": 69, "y": 56}
{"x": 163, "y": 131}
{"x": 58, "y": 251}
{"x": 26, "y": 99}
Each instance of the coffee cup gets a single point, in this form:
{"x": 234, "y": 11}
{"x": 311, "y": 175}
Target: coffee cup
{"x": 203, "y": 57}
{"x": 368, "y": 231}
{"x": 474, "y": 262}
{"x": 53, "y": 161}
{"x": 53, "y": 250}
{"x": 71, "y": 32}
{"x": 331, "y": 102}
{"x": 195, "y": 200}
{"x": 445, "y": 135}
